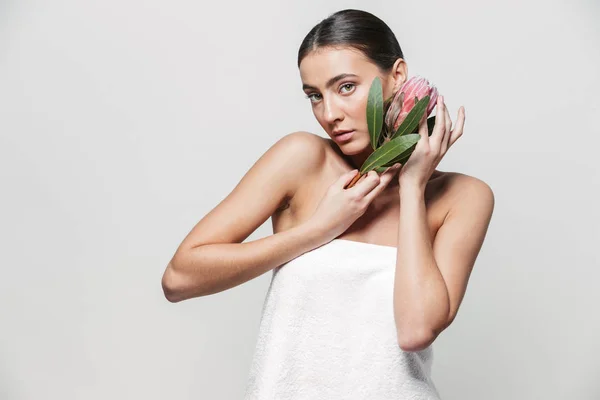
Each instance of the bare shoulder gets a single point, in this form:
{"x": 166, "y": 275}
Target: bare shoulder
{"x": 468, "y": 191}
{"x": 300, "y": 141}
{"x": 305, "y": 150}
{"x": 461, "y": 179}
{"x": 302, "y": 154}
{"x": 471, "y": 183}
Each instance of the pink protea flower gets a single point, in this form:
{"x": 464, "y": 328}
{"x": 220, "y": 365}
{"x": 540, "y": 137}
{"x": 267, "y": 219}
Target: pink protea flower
{"x": 404, "y": 100}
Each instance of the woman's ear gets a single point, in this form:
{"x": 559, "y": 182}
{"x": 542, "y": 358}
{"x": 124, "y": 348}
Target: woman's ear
{"x": 399, "y": 73}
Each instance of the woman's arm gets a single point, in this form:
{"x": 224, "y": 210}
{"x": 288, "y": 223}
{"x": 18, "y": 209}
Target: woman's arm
{"x": 212, "y": 257}
{"x": 431, "y": 278}
{"x": 212, "y": 268}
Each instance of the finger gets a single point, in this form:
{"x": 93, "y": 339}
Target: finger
{"x": 366, "y": 183}
{"x": 448, "y": 119}
{"x": 446, "y": 139}
{"x": 440, "y": 120}
{"x": 346, "y": 178}
{"x": 386, "y": 178}
{"x": 458, "y": 128}
{"x": 423, "y": 131}
{"x": 362, "y": 177}
{"x": 391, "y": 169}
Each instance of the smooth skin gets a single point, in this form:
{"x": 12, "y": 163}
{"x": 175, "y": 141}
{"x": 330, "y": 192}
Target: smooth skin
{"x": 437, "y": 220}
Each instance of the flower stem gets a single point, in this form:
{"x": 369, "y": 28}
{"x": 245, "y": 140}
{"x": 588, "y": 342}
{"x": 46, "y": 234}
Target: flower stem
{"x": 353, "y": 181}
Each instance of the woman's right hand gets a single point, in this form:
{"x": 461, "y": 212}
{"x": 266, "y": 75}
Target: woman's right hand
{"x": 339, "y": 207}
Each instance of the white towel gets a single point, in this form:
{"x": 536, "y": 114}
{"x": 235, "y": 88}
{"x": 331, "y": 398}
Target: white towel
{"x": 327, "y": 331}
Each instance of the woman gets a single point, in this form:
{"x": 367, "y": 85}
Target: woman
{"x": 365, "y": 278}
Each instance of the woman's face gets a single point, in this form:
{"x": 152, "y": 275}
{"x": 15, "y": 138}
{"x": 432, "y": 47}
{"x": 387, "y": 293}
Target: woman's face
{"x": 337, "y": 83}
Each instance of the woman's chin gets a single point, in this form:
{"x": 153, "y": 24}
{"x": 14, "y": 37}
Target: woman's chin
{"x": 355, "y": 146}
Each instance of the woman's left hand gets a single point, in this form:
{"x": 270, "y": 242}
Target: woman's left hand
{"x": 430, "y": 150}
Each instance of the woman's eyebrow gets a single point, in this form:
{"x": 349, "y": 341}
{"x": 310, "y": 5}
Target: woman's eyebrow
{"x": 331, "y": 81}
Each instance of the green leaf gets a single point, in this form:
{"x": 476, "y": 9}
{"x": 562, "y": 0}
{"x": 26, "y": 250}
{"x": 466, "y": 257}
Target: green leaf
{"x": 402, "y": 158}
{"x": 395, "y": 148}
{"x": 412, "y": 119}
{"x": 430, "y": 125}
{"x": 375, "y": 111}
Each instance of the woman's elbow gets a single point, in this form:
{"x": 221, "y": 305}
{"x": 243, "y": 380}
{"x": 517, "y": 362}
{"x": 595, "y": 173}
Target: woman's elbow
{"x": 170, "y": 287}
{"x": 417, "y": 343}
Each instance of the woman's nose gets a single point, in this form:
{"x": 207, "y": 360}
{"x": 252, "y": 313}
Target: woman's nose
{"x": 331, "y": 111}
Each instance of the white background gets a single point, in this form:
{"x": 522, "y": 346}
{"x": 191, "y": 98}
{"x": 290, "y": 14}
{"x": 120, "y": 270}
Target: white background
{"x": 123, "y": 123}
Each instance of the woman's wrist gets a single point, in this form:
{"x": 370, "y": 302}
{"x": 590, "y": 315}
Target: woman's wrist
{"x": 411, "y": 189}
{"x": 313, "y": 233}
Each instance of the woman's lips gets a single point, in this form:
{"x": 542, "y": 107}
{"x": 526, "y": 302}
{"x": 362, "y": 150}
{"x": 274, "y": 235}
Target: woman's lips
{"x": 343, "y": 137}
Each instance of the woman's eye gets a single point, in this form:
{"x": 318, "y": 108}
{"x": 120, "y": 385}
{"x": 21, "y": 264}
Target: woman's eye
{"x": 309, "y": 96}
{"x": 313, "y": 100}
{"x": 348, "y": 84}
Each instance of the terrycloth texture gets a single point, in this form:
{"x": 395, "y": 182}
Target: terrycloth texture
{"x": 327, "y": 331}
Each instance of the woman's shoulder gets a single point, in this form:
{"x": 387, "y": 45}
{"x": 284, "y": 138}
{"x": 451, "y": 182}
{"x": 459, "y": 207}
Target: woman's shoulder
{"x": 305, "y": 148}
{"x": 464, "y": 181}
{"x": 304, "y": 138}
{"x": 458, "y": 186}
{"x": 302, "y": 154}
